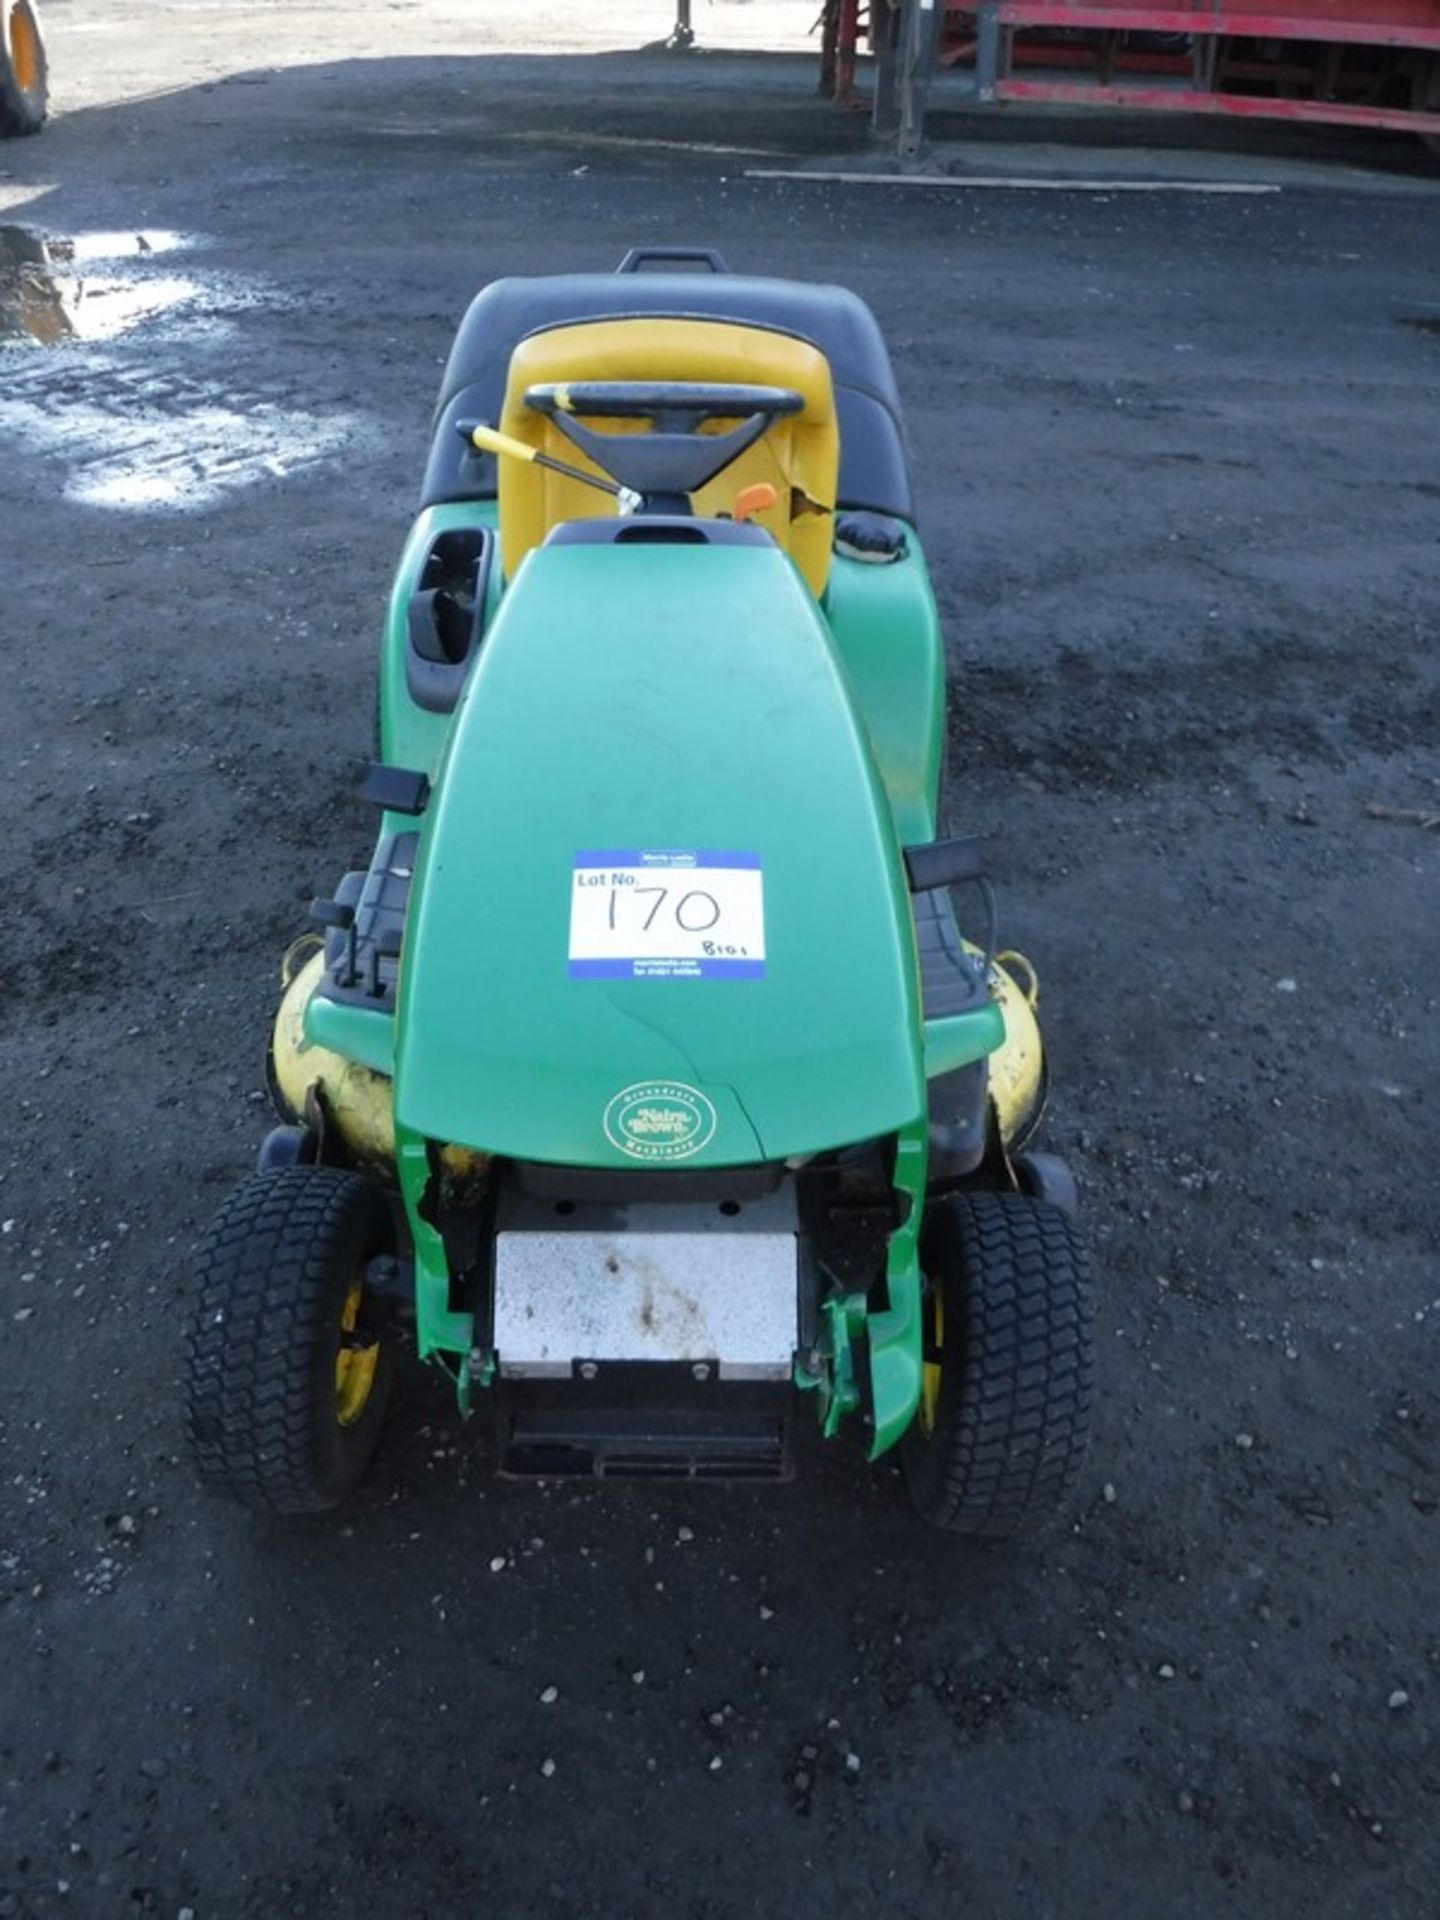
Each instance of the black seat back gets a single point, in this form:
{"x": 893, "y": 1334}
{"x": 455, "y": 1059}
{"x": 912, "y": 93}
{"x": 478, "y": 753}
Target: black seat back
{"x": 874, "y": 468}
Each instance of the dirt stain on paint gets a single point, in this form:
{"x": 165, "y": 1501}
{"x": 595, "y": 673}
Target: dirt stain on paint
{"x": 668, "y": 1313}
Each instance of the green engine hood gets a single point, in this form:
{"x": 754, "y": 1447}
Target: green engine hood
{"x": 635, "y": 704}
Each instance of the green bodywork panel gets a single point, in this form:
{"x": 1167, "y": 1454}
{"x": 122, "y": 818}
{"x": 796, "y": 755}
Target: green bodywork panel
{"x": 356, "y": 1032}
{"x": 962, "y": 1037}
{"x": 882, "y": 620}
{"x": 894, "y": 1333}
{"x": 409, "y": 736}
{"x": 679, "y": 697}
{"x": 887, "y": 632}
{"x": 701, "y": 706}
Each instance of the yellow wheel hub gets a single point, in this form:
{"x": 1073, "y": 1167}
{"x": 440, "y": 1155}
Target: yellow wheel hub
{"x": 24, "y": 50}
{"x": 355, "y": 1365}
{"x": 930, "y": 1371}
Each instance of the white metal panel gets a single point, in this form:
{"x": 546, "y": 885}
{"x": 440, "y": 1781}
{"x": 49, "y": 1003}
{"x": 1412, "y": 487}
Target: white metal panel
{"x": 615, "y": 1295}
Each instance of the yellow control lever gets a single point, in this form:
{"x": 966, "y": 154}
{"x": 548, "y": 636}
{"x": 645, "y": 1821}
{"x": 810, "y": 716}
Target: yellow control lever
{"x": 490, "y": 440}
{"x": 504, "y": 445}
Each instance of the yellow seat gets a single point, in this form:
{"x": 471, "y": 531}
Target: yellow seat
{"x": 798, "y": 455}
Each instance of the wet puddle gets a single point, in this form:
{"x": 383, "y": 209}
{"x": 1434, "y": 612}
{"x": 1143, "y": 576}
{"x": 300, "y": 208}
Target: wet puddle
{"x": 109, "y": 369}
{"x": 53, "y": 290}
{"x": 31, "y": 306}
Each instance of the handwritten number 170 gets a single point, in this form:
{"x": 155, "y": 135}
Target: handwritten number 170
{"x": 695, "y": 912}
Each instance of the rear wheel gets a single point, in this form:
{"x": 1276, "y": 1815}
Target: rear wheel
{"x": 1000, "y": 1433}
{"x": 24, "y": 73}
{"x": 289, "y": 1357}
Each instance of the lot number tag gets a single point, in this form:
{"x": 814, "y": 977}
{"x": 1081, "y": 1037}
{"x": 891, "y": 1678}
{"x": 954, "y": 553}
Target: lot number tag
{"x": 639, "y": 915}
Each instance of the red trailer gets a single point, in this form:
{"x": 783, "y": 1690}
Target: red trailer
{"x": 1363, "y": 63}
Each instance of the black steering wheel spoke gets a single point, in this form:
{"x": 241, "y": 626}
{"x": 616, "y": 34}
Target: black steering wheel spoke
{"x": 675, "y": 458}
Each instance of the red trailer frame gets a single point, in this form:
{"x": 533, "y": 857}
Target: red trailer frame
{"x": 1362, "y": 63}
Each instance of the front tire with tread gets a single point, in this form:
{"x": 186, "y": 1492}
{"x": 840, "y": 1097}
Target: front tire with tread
{"x": 276, "y": 1269}
{"x": 1006, "y": 1434}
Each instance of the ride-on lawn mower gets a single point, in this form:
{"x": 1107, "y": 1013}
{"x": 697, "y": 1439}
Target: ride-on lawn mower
{"x": 646, "y": 1064}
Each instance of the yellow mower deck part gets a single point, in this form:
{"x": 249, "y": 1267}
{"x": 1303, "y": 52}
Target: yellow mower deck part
{"x": 359, "y": 1103}
{"x": 1016, "y": 1068}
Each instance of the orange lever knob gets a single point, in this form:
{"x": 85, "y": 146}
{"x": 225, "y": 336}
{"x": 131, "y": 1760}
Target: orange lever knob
{"x": 756, "y": 499}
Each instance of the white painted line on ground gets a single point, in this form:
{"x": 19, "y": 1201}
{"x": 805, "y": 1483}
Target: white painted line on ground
{"x": 545, "y": 137}
{"x": 986, "y": 180}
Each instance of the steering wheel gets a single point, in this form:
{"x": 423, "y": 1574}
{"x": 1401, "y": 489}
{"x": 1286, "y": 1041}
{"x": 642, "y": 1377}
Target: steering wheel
{"x": 675, "y": 458}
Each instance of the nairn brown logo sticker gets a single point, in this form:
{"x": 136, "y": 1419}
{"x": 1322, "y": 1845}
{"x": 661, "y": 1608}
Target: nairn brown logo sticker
{"x": 660, "y": 1120}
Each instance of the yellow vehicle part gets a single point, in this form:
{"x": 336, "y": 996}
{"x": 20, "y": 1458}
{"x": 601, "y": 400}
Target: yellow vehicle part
{"x": 355, "y": 1364}
{"x": 1017, "y": 1068}
{"x": 930, "y": 1371}
{"x": 24, "y": 48}
{"x": 358, "y": 1103}
{"x": 798, "y": 455}
{"x": 24, "y": 77}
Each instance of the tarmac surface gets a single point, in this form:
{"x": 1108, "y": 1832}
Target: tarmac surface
{"x": 1180, "y": 486}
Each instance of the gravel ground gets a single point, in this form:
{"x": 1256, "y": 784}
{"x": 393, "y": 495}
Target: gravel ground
{"x": 1181, "y": 489}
